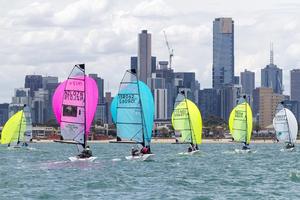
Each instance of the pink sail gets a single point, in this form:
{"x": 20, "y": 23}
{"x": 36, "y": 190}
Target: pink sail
{"x": 74, "y": 95}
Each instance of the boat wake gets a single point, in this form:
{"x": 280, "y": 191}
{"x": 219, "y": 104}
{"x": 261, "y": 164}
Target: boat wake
{"x": 295, "y": 176}
{"x": 116, "y": 159}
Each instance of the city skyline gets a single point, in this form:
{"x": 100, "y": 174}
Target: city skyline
{"x": 43, "y": 38}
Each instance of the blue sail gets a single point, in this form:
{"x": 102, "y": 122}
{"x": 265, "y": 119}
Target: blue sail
{"x": 133, "y": 111}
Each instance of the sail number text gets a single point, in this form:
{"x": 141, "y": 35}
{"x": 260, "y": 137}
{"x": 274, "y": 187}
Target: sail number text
{"x": 126, "y": 98}
{"x": 74, "y": 95}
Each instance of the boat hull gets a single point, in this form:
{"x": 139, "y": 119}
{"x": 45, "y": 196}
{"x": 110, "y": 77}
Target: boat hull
{"x": 76, "y": 159}
{"x": 190, "y": 153}
{"x": 288, "y": 150}
{"x": 143, "y": 157}
{"x": 242, "y": 151}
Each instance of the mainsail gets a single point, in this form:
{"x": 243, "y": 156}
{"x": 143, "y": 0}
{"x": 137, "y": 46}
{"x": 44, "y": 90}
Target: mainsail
{"x": 240, "y": 122}
{"x": 14, "y": 129}
{"x": 133, "y": 110}
{"x": 285, "y": 125}
{"x": 186, "y": 118}
{"x": 74, "y": 104}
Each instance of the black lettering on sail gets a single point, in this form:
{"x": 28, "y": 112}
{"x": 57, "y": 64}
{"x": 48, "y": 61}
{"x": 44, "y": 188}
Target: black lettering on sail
{"x": 126, "y": 98}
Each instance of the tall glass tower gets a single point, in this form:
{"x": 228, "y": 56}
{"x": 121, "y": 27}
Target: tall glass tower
{"x": 223, "y": 52}
{"x": 271, "y": 75}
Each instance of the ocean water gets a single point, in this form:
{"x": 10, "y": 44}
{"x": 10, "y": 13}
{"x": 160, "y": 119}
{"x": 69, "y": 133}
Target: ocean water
{"x": 217, "y": 173}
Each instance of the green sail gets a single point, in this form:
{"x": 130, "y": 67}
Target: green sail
{"x": 14, "y": 129}
{"x": 240, "y": 123}
{"x": 186, "y": 118}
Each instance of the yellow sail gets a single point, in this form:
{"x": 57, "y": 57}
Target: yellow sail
{"x": 186, "y": 118}
{"x": 240, "y": 123}
{"x": 14, "y": 129}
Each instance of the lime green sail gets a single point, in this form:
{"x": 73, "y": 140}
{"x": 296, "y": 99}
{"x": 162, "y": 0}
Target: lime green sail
{"x": 240, "y": 123}
{"x": 14, "y": 129}
{"x": 186, "y": 118}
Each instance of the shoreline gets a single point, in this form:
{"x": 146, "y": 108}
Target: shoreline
{"x": 172, "y": 140}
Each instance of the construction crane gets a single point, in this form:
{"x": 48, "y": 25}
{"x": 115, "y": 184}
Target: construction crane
{"x": 171, "y": 51}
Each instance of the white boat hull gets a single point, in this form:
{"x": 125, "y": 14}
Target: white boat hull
{"x": 242, "y": 151}
{"x": 190, "y": 153}
{"x": 76, "y": 159}
{"x": 288, "y": 150}
{"x": 142, "y": 157}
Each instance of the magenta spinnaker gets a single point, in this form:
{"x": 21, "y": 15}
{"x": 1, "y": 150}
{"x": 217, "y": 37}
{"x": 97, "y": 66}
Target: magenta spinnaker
{"x": 91, "y": 91}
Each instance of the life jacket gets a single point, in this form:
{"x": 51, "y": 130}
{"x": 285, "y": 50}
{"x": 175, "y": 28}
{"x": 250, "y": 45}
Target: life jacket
{"x": 144, "y": 150}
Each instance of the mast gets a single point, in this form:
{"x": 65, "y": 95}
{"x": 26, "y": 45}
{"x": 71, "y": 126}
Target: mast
{"x": 84, "y": 82}
{"x": 190, "y": 123}
{"x": 20, "y": 126}
{"x": 142, "y": 113}
{"x": 246, "y": 135}
{"x": 288, "y": 125}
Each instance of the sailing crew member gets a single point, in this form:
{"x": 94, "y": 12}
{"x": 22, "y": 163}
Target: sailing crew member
{"x": 289, "y": 146}
{"x": 134, "y": 151}
{"x": 245, "y": 146}
{"x": 86, "y": 153}
{"x": 146, "y": 150}
{"x": 191, "y": 147}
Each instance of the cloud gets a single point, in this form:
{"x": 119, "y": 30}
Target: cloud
{"x": 153, "y": 8}
{"x": 49, "y": 37}
{"x": 80, "y": 13}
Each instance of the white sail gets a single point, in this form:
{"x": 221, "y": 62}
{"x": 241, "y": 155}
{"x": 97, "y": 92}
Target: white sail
{"x": 285, "y": 125}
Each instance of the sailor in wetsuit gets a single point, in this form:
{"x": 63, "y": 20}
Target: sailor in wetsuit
{"x": 192, "y": 147}
{"x": 146, "y": 150}
{"x": 86, "y": 153}
{"x": 245, "y": 146}
{"x": 289, "y": 146}
{"x": 134, "y": 151}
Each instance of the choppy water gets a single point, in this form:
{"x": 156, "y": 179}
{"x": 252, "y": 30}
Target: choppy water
{"x": 217, "y": 173}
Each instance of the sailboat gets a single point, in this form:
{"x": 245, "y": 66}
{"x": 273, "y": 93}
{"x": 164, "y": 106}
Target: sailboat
{"x": 186, "y": 118}
{"x": 286, "y": 126}
{"x": 17, "y": 131}
{"x": 240, "y": 124}
{"x": 133, "y": 113}
{"x": 74, "y": 104}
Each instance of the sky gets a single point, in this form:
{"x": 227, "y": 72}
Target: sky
{"x": 50, "y": 37}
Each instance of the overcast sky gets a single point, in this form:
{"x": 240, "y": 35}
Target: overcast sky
{"x": 49, "y": 37}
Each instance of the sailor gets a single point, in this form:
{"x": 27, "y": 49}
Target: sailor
{"x": 245, "y": 146}
{"x": 134, "y": 151}
{"x": 290, "y": 145}
{"x": 191, "y": 147}
{"x": 145, "y": 150}
{"x": 86, "y": 153}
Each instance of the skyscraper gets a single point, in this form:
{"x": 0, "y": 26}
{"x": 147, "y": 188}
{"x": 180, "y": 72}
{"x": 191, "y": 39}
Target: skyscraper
{"x": 100, "y": 84}
{"x": 271, "y": 76}
{"x": 161, "y": 101}
{"x": 186, "y": 81}
{"x": 133, "y": 62}
{"x": 3, "y": 113}
{"x": 144, "y": 56}
{"x": 265, "y": 102}
{"x": 209, "y": 102}
{"x": 229, "y": 96}
{"x": 34, "y": 83}
{"x": 295, "y": 84}
{"x": 49, "y": 83}
{"x": 100, "y": 116}
{"x": 167, "y": 75}
{"x": 223, "y": 52}
{"x": 248, "y": 82}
